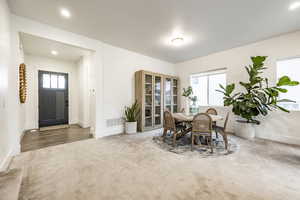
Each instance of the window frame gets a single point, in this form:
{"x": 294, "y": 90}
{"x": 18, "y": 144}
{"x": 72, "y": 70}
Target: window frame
{"x": 208, "y": 74}
{"x": 57, "y": 74}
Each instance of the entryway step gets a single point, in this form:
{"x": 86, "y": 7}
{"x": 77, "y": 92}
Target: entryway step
{"x": 54, "y": 127}
{"x": 10, "y": 184}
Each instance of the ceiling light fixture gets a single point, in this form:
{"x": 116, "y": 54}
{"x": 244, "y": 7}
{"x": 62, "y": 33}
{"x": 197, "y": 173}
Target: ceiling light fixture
{"x": 54, "y": 53}
{"x": 178, "y": 41}
{"x": 295, "y": 5}
{"x": 65, "y": 13}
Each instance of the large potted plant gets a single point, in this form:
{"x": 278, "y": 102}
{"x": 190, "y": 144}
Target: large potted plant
{"x": 131, "y": 117}
{"x": 257, "y": 98}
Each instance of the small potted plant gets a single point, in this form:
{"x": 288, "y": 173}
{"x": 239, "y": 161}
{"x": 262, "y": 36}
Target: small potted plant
{"x": 187, "y": 93}
{"x": 257, "y": 99}
{"x": 131, "y": 116}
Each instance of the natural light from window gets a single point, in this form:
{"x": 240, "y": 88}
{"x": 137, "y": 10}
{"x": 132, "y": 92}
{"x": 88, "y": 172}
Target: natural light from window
{"x": 46, "y": 80}
{"x": 291, "y": 68}
{"x": 54, "y": 81}
{"x": 205, "y": 85}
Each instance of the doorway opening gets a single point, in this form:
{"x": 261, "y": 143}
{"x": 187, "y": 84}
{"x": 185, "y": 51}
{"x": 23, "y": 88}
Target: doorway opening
{"x": 60, "y": 107}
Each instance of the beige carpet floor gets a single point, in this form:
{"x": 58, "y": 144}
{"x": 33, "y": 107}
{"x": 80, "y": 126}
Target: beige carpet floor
{"x": 135, "y": 168}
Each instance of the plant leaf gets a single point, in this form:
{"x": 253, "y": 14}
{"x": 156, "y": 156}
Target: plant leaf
{"x": 283, "y": 90}
{"x": 286, "y": 100}
{"x": 283, "y": 109}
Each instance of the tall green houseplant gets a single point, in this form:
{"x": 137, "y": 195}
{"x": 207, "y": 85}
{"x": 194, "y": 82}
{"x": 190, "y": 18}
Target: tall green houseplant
{"x": 258, "y": 97}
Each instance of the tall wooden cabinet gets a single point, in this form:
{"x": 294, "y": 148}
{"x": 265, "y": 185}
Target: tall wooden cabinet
{"x": 155, "y": 93}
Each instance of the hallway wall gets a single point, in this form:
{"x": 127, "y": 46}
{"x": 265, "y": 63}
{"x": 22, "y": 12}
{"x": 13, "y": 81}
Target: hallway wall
{"x": 35, "y": 63}
{"x": 11, "y": 110}
{"x": 5, "y": 46}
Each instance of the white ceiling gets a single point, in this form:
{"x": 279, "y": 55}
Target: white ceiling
{"x": 145, "y": 26}
{"x": 43, "y": 47}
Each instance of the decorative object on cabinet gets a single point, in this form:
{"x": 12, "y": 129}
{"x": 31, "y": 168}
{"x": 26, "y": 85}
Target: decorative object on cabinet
{"x": 22, "y": 83}
{"x": 155, "y": 93}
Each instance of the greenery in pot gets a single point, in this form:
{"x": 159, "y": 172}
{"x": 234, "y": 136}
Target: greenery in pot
{"x": 258, "y": 98}
{"x": 132, "y": 112}
{"x": 187, "y": 93}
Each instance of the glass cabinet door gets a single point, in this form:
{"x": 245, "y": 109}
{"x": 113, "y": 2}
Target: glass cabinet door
{"x": 175, "y": 97}
{"x": 157, "y": 100}
{"x": 168, "y": 94}
{"x": 148, "y": 100}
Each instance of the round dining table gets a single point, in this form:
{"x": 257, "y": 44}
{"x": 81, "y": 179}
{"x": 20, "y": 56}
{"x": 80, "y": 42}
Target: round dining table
{"x": 188, "y": 118}
{"x": 182, "y": 117}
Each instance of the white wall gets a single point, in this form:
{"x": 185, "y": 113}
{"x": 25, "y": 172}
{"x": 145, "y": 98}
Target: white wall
{"x": 36, "y": 63}
{"x": 119, "y": 68}
{"x": 5, "y": 138}
{"x": 11, "y": 111}
{"x": 277, "y": 126}
{"x": 112, "y": 71}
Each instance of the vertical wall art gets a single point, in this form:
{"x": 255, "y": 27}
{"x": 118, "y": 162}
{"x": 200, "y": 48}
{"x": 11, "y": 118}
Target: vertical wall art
{"x": 22, "y": 82}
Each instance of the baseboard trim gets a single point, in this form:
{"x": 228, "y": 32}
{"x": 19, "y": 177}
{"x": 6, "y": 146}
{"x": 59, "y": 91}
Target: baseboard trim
{"x": 48, "y": 128}
{"x": 83, "y": 125}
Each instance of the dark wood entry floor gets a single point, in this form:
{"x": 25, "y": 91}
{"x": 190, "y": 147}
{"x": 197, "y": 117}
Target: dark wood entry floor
{"x": 41, "y": 139}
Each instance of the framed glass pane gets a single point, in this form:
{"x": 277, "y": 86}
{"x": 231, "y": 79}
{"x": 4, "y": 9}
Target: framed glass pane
{"x": 61, "y": 82}
{"x": 290, "y": 67}
{"x": 148, "y": 122}
{"x": 175, "y": 109}
{"x": 46, "y": 80}
{"x": 216, "y": 98}
{"x": 168, "y": 97}
{"x": 175, "y": 100}
{"x": 148, "y": 79}
{"x": 199, "y": 85}
{"x": 53, "y": 81}
{"x": 168, "y": 87}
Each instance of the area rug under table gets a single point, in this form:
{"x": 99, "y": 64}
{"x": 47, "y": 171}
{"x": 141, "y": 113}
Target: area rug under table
{"x": 183, "y": 146}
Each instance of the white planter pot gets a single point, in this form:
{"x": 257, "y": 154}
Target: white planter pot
{"x": 244, "y": 130}
{"x": 130, "y": 127}
{"x": 187, "y": 106}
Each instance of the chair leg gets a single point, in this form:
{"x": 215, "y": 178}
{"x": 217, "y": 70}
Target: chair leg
{"x": 192, "y": 142}
{"x": 225, "y": 140}
{"x": 174, "y": 139}
{"x": 211, "y": 144}
{"x": 165, "y": 134}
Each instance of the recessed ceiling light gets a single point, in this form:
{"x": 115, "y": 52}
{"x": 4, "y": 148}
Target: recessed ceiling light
{"x": 178, "y": 41}
{"x": 65, "y": 13}
{"x": 54, "y": 53}
{"x": 295, "y": 5}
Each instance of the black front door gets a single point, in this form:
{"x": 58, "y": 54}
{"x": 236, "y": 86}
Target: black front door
{"x": 53, "y": 98}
